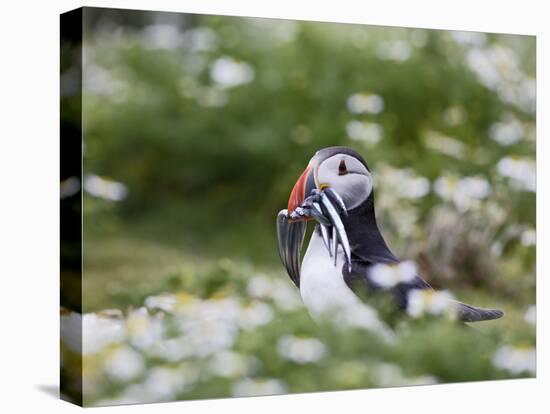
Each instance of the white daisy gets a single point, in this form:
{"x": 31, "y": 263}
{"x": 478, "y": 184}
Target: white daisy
{"x": 444, "y": 144}
{"x": 164, "y": 383}
{"x": 252, "y": 387}
{"x": 285, "y": 296}
{"x": 516, "y": 360}
{"x": 463, "y": 192}
{"x": 105, "y": 188}
{"x": 166, "y": 302}
{"x": 363, "y": 103}
{"x": 521, "y": 171}
{"x": 228, "y": 72}
{"x": 369, "y": 132}
{"x": 529, "y": 237}
{"x": 100, "y": 331}
{"x": 406, "y": 182}
{"x": 428, "y": 301}
{"x": 389, "y": 275}
{"x": 391, "y": 375}
{"x": 124, "y": 364}
{"x": 507, "y": 132}
{"x": 254, "y": 315}
{"x": 301, "y": 350}
{"x": 144, "y": 330}
{"x": 259, "y": 286}
{"x": 228, "y": 364}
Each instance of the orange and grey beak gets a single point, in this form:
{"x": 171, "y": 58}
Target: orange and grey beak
{"x": 304, "y": 204}
{"x": 292, "y": 224}
{"x": 301, "y": 190}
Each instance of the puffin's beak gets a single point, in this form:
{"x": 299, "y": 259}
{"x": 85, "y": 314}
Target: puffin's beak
{"x": 291, "y": 227}
{"x": 304, "y": 204}
{"x": 290, "y": 237}
{"x": 301, "y": 190}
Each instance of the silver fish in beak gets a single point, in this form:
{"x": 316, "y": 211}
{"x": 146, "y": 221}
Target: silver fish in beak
{"x": 307, "y": 202}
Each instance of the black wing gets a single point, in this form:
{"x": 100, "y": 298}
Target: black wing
{"x": 358, "y": 278}
{"x": 469, "y": 313}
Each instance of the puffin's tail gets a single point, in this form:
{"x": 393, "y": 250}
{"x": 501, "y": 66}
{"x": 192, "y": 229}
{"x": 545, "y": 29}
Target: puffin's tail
{"x": 469, "y": 313}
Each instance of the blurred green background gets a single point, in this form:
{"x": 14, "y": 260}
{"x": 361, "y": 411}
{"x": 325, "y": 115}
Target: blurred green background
{"x": 196, "y": 128}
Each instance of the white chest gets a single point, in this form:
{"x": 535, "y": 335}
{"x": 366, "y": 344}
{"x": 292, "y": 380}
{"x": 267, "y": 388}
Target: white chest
{"x": 322, "y": 284}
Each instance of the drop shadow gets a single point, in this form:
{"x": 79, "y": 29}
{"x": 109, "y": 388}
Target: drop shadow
{"x": 51, "y": 390}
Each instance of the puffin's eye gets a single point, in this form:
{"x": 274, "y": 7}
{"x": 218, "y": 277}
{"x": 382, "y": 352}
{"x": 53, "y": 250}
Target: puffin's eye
{"x": 342, "y": 169}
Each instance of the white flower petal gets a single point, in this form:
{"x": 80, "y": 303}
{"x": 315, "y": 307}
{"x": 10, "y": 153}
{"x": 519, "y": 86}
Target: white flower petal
{"x": 228, "y": 72}
{"x": 254, "y": 387}
{"x": 301, "y": 350}
{"x": 124, "y": 364}
{"x": 516, "y": 360}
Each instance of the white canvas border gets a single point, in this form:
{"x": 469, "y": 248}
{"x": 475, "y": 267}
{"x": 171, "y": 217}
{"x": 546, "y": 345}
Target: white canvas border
{"x": 29, "y": 162}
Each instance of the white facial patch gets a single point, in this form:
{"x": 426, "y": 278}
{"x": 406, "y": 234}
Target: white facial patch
{"x": 348, "y": 177}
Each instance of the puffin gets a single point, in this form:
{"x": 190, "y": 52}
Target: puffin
{"x": 346, "y": 248}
